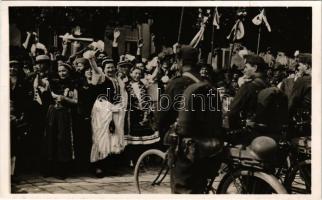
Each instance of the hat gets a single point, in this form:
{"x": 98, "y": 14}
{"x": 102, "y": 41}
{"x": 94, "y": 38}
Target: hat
{"x": 42, "y": 58}
{"x": 66, "y": 65}
{"x": 107, "y": 61}
{"x": 14, "y": 62}
{"x": 305, "y": 58}
{"x": 124, "y": 64}
{"x": 189, "y": 55}
{"x": 60, "y": 57}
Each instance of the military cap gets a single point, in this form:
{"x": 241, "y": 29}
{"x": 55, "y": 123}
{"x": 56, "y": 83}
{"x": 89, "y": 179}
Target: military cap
{"x": 189, "y": 55}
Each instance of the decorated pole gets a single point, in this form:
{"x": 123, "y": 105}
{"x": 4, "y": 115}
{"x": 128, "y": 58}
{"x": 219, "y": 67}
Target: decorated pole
{"x": 212, "y": 43}
{"x": 180, "y": 24}
{"x": 258, "y": 39}
{"x": 234, "y": 39}
{"x": 258, "y": 21}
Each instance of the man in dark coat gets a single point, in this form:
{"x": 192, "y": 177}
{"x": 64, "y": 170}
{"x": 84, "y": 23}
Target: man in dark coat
{"x": 300, "y": 101}
{"x": 174, "y": 88}
{"x": 189, "y": 172}
{"x": 245, "y": 101}
{"x": 246, "y": 97}
{"x": 37, "y": 103}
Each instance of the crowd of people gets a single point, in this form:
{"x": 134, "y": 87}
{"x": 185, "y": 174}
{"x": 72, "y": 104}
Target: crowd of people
{"x": 89, "y": 110}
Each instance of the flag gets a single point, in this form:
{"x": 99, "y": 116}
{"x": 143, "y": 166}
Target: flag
{"x": 258, "y": 20}
{"x": 237, "y": 32}
{"x": 195, "y": 41}
{"x": 216, "y": 18}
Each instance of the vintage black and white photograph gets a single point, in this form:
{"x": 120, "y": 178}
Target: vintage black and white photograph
{"x": 160, "y": 100}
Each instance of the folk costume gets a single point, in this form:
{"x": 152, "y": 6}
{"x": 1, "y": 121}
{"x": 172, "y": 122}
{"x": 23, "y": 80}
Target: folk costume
{"x": 139, "y": 131}
{"x": 108, "y": 116}
{"x": 59, "y": 131}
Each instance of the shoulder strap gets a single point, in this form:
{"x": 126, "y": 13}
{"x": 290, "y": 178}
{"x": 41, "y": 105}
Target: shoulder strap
{"x": 191, "y": 76}
{"x": 260, "y": 83}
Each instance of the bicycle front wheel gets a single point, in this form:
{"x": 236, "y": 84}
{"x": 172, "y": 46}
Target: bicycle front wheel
{"x": 250, "y": 182}
{"x": 298, "y": 179}
{"x": 151, "y": 173}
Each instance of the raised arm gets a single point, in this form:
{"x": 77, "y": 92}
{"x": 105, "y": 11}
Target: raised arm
{"x": 25, "y": 44}
{"x": 65, "y": 45}
{"x": 139, "y": 50}
{"x": 90, "y": 55}
{"x": 115, "y": 50}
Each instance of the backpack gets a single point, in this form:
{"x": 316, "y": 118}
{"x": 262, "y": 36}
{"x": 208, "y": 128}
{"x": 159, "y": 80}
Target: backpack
{"x": 272, "y": 110}
{"x": 201, "y": 115}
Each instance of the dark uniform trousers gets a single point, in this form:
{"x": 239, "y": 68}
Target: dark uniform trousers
{"x": 191, "y": 176}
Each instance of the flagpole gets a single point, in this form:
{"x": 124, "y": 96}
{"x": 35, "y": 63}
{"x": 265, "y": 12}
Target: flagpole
{"x": 180, "y": 25}
{"x": 258, "y": 39}
{"x": 232, "y": 48}
{"x": 212, "y": 40}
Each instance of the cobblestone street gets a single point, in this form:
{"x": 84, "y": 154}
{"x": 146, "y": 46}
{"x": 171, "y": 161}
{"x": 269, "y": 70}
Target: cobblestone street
{"x": 80, "y": 184}
{"x": 77, "y": 184}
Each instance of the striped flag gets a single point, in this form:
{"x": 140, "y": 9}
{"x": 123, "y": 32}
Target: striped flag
{"x": 237, "y": 32}
{"x": 258, "y": 20}
{"x": 216, "y": 18}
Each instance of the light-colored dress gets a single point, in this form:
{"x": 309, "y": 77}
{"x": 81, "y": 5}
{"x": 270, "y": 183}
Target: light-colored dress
{"x": 104, "y": 114}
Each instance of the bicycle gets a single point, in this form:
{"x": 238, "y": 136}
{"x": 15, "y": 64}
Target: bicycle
{"x": 298, "y": 176}
{"x": 243, "y": 172}
{"x": 295, "y": 169}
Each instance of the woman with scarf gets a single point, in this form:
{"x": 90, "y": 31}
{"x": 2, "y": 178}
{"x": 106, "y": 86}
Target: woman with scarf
{"x": 59, "y": 133}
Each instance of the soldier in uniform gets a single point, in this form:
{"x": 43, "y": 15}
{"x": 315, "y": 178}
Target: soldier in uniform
{"x": 245, "y": 100}
{"x": 176, "y": 87}
{"x": 189, "y": 172}
{"x": 301, "y": 94}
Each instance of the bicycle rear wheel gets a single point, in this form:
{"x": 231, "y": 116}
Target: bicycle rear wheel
{"x": 298, "y": 180}
{"x": 151, "y": 173}
{"x": 249, "y": 182}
